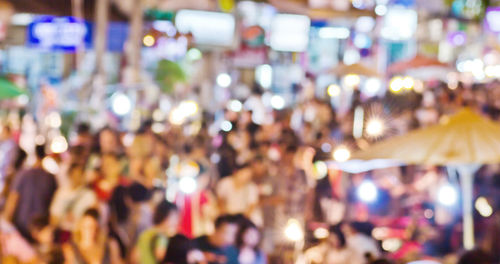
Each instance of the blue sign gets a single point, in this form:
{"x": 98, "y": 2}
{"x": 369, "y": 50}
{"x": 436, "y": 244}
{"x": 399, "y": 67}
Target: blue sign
{"x": 59, "y": 33}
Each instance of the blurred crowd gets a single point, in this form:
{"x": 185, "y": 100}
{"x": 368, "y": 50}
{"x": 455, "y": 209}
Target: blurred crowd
{"x": 179, "y": 196}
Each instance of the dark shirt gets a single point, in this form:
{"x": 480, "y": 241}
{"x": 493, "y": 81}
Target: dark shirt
{"x": 216, "y": 255}
{"x": 36, "y": 188}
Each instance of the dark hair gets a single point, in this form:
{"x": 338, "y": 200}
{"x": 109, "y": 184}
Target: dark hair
{"x": 21, "y": 156}
{"x": 178, "y": 249}
{"x": 336, "y": 230}
{"x": 83, "y": 128}
{"x": 40, "y": 151}
{"x": 246, "y": 225}
{"x": 92, "y": 212}
{"x": 138, "y": 192}
{"x": 381, "y": 261}
{"x": 225, "y": 219}
{"x": 475, "y": 256}
{"x": 39, "y": 222}
{"x": 118, "y": 208}
{"x": 163, "y": 211}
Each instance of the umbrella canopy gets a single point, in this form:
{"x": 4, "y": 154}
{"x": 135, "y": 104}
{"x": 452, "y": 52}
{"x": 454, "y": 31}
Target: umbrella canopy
{"x": 419, "y": 61}
{"x": 8, "y": 89}
{"x": 465, "y": 138}
{"x": 356, "y": 68}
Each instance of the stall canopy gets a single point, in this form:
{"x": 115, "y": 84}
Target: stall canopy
{"x": 462, "y": 142}
{"x": 9, "y": 90}
{"x": 357, "y": 68}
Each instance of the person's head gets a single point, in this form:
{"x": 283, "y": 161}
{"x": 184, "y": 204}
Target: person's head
{"x": 226, "y": 227}
{"x": 381, "y": 261}
{"x": 40, "y": 152}
{"x": 108, "y": 141}
{"x": 76, "y": 175}
{"x": 243, "y": 174}
{"x": 336, "y": 239}
{"x": 476, "y": 256}
{"x": 178, "y": 248}
{"x": 88, "y": 227}
{"x": 41, "y": 230}
{"x": 248, "y": 236}
{"x": 166, "y": 217}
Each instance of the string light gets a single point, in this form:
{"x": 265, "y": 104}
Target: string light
{"x": 293, "y": 230}
{"x": 341, "y": 154}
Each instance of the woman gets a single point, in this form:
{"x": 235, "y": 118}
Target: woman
{"x": 338, "y": 252}
{"x": 247, "y": 240}
{"x": 89, "y": 243}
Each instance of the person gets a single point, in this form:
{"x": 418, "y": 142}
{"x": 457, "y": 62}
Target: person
{"x": 31, "y": 194}
{"x": 363, "y": 244}
{"x": 71, "y": 202}
{"x": 43, "y": 234}
{"x": 239, "y": 195}
{"x": 181, "y": 251}
{"x": 89, "y": 244}
{"x": 333, "y": 250}
{"x": 476, "y": 256}
{"x": 7, "y": 151}
{"x": 152, "y": 243}
{"x": 247, "y": 241}
{"x": 219, "y": 247}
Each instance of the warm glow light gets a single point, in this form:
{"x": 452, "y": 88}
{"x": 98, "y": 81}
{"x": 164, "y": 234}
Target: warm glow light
{"x": 341, "y": 154}
{"x": 396, "y": 84}
{"x": 187, "y": 185}
{"x": 183, "y": 111}
{"x": 375, "y": 127}
{"x": 391, "y": 244}
{"x": 367, "y": 191}
{"x": 321, "y": 233}
{"x": 148, "y": 40}
{"x": 223, "y": 80}
{"x": 483, "y": 207}
{"x": 320, "y": 169}
{"x": 408, "y": 83}
{"x": 447, "y": 195}
{"x": 53, "y": 120}
{"x": 333, "y": 90}
{"x": 293, "y": 230}
{"x": 352, "y": 80}
{"x": 50, "y": 165}
{"x": 120, "y": 104}
{"x": 59, "y": 145}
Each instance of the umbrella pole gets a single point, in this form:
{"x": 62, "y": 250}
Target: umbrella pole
{"x": 467, "y": 185}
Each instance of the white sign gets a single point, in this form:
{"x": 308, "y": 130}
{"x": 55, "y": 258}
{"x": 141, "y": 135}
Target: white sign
{"x": 209, "y": 28}
{"x": 290, "y": 32}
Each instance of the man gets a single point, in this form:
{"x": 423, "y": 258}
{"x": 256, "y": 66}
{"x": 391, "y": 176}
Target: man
{"x": 219, "y": 247}
{"x": 31, "y": 194}
{"x": 239, "y": 195}
{"x": 152, "y": 243}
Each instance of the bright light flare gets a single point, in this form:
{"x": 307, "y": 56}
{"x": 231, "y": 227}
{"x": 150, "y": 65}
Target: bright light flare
{"x": 375, "y": 127}
{"x": 278, "y": 102}
{"x": 483, "y": 207}
{"x": 59, "y": 145}
{"x": 293, "y": 230}
{"x": 50, "y": 165}
{"x": 391, "y": 244}
{"x": 352, "y": 80}
{"x": 396, "y": 84}
{"x": 121, "y": 104}
{"x": 321, "y": 233}
{"x": 320, "y": 169}
{"x": 447, "y": 195}
{"x": 223, "y": 80}
{"x": 341, "y": 154}
{"x": 148, "y": 40}
{"x": 235, "y": 106}
{"x": 367, "y": 192}
{"x": 333, "y": 90}
{"x": 408, "y": 83}
{"x": 187, "y": 185}
{"x": 226, "y": 126}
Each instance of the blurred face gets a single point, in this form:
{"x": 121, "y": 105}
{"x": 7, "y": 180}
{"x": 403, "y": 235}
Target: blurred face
{"x": 77, "y": 178}
{"x": 107, "y": 141}
{"x": 227, "y": 234}
{"x": 172, "y": 223}
{"x": 251, "y": 237}
{"x": 88, "y": 227}
{"x": 244, "y": 175}
{"x": 333, "y": 240}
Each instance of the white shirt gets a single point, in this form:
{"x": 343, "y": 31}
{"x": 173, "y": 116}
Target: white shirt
{"x": 238, "y": 200}
{"x": 69, "y": 201}
{"x": 363, "y": 244}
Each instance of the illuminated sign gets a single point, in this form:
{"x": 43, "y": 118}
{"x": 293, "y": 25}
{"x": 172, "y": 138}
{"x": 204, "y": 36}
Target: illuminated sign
{"x": 290, "y": 32}
{"x": 208, "y": 28}
{"x": 58, "y": 33}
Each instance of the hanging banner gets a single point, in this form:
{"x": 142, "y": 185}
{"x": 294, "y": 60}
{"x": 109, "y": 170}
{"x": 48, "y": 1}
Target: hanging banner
{"x": 59, "y": 33}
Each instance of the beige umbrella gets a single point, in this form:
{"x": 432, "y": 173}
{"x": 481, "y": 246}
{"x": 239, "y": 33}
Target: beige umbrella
{"x": 356, "y": 68}
{"x": 463, "y": 141}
